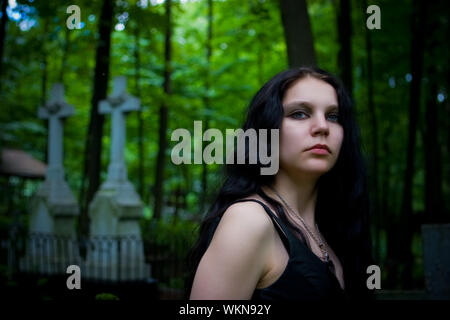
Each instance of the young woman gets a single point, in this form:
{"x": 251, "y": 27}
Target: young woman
{"x": 302, "y": 233}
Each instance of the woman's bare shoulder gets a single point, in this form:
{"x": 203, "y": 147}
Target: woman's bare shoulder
{"x": 244, "y": 222}
{"x": 237, "y": 257}
{"x": 247, "y": 214}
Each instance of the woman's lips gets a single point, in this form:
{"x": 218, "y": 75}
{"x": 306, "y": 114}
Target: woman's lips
{"x": 318, "y": 151}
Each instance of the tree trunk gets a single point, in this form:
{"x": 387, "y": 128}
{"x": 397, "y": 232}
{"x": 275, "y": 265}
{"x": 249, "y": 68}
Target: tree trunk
{"x": 160, "y": 165}
{"x": 44, "y": 85}
{"x": 207, "y": 101}
{"x": 447, "y": 125}
{"x": 93, "y": 149}
{"x": 297, "y": 32}
{"x": 433, "y": 191}
{"x": 434, "y": 205}
{"x": 376, "y": 213}
{"x": 345, "y": 51}
{"x": 64, "y": 56}
{"x": 388, "y": 209}
{"x": 178, "y": 201}
{"x": 417, "y": 50}
{"x": 3, "y": 33}
{"x": 137, "y": 77}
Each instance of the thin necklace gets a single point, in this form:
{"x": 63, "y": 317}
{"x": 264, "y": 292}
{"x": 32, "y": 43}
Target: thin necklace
{"x": 326, "y": 257}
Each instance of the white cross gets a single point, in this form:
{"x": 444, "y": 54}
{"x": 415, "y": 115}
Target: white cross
{"x": 118, "y": 103}
{"x": 55, "y": 109}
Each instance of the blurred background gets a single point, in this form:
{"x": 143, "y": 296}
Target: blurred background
{"x": 203, "y": 60}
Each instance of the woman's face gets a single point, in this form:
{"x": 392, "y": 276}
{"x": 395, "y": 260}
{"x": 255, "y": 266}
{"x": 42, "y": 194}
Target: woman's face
{"x": 310, "y": 117}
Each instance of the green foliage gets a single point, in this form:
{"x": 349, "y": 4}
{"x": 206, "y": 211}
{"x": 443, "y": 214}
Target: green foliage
{"x": 177, "y": 283}
{"x": 418, "y": 265}
{"x": 168, "y": 242}
{"x": 174, "y": 235}
{"x": 106, "y": 296}
{"x": 42, "y": 282}
{"x": 5, "y": 225}
{"x": 6, "y": 276}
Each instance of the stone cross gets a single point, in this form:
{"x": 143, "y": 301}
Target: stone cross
{"x": 118, "y": 103}
{"x": 55, "y": 110}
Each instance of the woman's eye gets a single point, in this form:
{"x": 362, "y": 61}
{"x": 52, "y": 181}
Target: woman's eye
{"x": 302, "y": 115}
{"x": 333, "y": 117}
{"x": 298, "y": 115}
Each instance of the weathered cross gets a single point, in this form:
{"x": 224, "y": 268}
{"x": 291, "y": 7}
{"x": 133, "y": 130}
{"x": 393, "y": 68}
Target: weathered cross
{"x": 55, "y": 110}
{"x": 118, "y": 103}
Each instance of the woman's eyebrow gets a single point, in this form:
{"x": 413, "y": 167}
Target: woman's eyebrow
{"x": 307, "y": 105}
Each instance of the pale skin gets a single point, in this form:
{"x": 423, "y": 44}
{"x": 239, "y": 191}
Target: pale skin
{"x": 246, "y": 252}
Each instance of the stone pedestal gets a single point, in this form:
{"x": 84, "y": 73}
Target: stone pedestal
{"x": 115, "y": 250}
{"x": 54, "y": 209}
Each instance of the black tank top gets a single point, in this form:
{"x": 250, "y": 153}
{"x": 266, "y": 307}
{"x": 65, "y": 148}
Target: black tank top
{"x": 305, "y": 277}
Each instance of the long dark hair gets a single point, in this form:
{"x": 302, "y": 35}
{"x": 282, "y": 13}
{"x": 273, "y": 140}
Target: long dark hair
{"x": 342, "y": 208}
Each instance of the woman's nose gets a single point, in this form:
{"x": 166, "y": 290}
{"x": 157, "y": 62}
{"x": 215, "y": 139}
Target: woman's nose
{"x": 320, "y": 125}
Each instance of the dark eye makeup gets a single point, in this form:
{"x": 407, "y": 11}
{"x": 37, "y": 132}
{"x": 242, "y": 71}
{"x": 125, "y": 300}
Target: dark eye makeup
{"x": 333, "y": 116}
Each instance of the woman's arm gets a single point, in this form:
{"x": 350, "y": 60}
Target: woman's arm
{"x": 237, "y": 257}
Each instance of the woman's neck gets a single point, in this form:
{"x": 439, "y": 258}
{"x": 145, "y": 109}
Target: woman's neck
{"x": 300, "y": 193}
